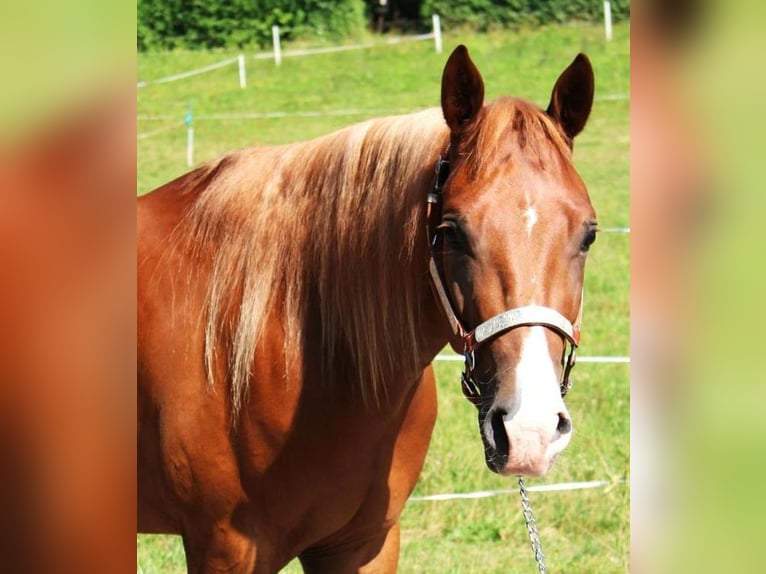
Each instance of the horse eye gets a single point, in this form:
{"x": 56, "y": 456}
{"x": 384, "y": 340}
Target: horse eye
{"x": 454, "y": 235}
{"x": 587, "y": 241}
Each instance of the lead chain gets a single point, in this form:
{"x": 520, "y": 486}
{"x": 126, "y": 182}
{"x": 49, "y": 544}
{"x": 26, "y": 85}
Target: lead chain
{"x": 529, "y": 518}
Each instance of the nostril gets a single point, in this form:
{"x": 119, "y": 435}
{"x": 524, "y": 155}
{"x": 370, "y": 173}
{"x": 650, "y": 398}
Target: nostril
{"x": 565, "y": 425}
{"x": 499, "y": 434}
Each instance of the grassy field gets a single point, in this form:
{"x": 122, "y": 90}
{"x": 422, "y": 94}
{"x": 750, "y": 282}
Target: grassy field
{"x": 582, "y": 531}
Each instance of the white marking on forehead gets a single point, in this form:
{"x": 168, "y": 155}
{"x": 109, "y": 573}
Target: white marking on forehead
{"x": 530, "y": 216}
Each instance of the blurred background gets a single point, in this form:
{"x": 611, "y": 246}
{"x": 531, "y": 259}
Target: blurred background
{"x": 67, "y": 286}
{"x": 696, "y": 285}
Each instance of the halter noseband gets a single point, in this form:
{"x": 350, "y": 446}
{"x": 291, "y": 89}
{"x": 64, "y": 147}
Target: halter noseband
{"x": 499, "y": 324}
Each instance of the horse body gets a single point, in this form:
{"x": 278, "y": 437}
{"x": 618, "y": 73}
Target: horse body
{"x": 287, "y": 324}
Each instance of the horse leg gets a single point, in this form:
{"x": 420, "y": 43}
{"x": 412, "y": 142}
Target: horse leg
{"x": 217, "y": 549}
{"x": 379, "y": 556}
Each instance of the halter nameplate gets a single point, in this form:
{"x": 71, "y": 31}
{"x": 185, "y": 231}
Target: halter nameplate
{"x": 523, "y": 316}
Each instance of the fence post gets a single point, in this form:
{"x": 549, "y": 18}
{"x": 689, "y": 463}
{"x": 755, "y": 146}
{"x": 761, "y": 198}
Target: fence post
{"x": 242, "y": 77}
{"x": 608, "y": 20}
{"x": 277, "y": 46}
{"x": 437, "y": 33}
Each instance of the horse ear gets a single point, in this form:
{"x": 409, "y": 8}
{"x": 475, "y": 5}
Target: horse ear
{"x": 572, "y": 96}
{"x": 462, "y": 90}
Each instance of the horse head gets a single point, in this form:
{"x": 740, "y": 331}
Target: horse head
{"x": 514, "y": 228}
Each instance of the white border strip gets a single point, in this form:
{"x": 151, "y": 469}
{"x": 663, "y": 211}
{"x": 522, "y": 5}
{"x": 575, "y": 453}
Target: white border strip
{"x": 445, "y": 357}
{"x": 560, "y": 487}
{"x": 612, "y": 97}
{"x": 603, "y": 360}
{"x": 269, "y": 115}
{"x": 190, "y": 73}
{"x": 144, "y": 135}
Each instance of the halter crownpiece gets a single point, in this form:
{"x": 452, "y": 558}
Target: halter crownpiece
{"x": 499, "y": 324}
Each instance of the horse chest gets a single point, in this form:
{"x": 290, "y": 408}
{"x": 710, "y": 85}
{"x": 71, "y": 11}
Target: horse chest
{"x": 301, "y": 503}
{"x": 332, "y": 470}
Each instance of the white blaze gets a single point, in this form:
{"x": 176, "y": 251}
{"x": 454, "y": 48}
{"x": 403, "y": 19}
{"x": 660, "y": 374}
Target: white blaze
{"x": 536, "y": 381}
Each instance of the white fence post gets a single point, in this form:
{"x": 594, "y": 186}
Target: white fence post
{"x": 608, "y": 20}
{"x": 242, "y": 77}
{"x": 190, "y": 145}
{"x": 277, "y": 45}
{"x": 437, "y": 33}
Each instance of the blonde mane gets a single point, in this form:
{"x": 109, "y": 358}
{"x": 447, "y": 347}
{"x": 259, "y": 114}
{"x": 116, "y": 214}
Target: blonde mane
{"x": 325, "y": 229}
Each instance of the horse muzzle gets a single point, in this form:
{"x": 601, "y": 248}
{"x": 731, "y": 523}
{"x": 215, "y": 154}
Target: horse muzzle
{"x": 520, "y": 444}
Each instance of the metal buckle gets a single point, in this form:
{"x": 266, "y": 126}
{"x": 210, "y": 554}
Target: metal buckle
{"x": 442, "y": 172}
{"x": 470, "y": 388}
{"x": 470, "y": 359}
{"x": 568, "y": 364}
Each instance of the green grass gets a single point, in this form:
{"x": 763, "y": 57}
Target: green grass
{"x": 582, "y": 531}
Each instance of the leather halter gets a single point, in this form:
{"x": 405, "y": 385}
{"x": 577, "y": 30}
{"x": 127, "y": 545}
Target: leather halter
{"x": 499, "y": 324}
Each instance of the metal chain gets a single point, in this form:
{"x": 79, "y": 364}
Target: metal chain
{"x": 529, "y": 518}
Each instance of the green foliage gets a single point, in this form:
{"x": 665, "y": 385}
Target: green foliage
{"x": 168, "y": 24}
{"x": 205, "y": 24}
{"x": 483, "y": 15}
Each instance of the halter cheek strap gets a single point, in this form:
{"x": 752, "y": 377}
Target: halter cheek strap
{"x": 499, "y": 324}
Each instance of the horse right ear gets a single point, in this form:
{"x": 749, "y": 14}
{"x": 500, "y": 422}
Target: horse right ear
{"x": 462, "y": 90}
{"x": 572, "y": 96}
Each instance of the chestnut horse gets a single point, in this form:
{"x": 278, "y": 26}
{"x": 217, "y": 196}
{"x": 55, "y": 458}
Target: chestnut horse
{"x": 287, "y": 321}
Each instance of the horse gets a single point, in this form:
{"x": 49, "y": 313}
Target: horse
{"x": 291, "y": 300}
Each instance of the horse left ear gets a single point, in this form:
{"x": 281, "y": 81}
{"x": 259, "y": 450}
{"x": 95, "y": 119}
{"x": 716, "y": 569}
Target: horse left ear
{"x": 572, "y": 96}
